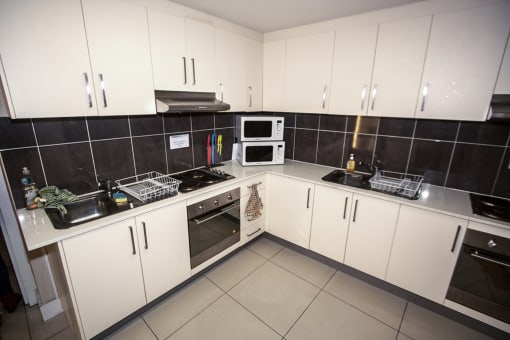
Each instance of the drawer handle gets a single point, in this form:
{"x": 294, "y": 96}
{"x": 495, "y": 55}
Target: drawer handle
{"x": 256, "y": 231}
{"x": 455, "y": 239}
{"x": 308, "y": 199}
{"x": 87, "y": 87}
{"x": 250, "y": 91}
{"x": 355, "y": 210}
{"x": 363, "y": 94}
{"x": 185, "y": 71}
{"x": 345, "y": 206}
{"x": 221, "y": 91}
{"x": 424, "y": 96}
{"x": 145, "y": 236}
{"x": 324, "y": 96}
{"x": 132, "y": 239}
{"x": 103, "y": 89}
{"x": 374, "y": 93}
{"x": 193, "y": 67}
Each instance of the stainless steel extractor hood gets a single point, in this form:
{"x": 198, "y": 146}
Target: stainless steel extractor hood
{"x": 183, "y": 101}
{"x": 500, "y": 108}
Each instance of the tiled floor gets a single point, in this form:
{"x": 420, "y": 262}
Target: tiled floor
{"x": 270, "y": 292}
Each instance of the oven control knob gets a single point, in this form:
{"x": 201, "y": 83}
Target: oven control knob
{"x": 491, "y": 244}
{"x": 216, "y": 202}
{"x": 200, "y": 207}
{"x": 229, "y": 197}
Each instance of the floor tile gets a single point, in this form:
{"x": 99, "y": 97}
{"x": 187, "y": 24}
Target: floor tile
{"x": 168, "y": 316}
{"x": 236, "y": 268}
{"x": 420, "y": 323}
{"x": 380, "y": 304}
{"x": 14, "y": 325}
{"x": 275, "y": 296}
{"x": 40, "y": 330}
{"x": 136, "y": 330}
{"x": 265, "y": 247}
{"x": 330, "y": 318}
{"x": 402, "y": 336}
{"x": 66, "y": 334}
{"x": 304, "y": 267}
{"x": 225, "y": 319}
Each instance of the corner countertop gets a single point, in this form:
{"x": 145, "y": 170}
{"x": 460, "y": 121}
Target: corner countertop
{"x": 38, "y": 230}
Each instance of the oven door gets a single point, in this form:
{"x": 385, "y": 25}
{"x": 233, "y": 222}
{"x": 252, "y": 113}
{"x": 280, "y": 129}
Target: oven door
{"x": 213, "y": 232}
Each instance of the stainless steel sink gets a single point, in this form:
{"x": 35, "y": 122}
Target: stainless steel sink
{"x": 83, "y": 210}
{"x": 354, "y": 179}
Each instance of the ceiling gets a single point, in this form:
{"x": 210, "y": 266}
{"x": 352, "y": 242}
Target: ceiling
{"x": 271, "y": 15}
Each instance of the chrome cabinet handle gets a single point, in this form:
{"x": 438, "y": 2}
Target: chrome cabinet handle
{"x": 345, "y": 206}
{"x": 256, "y": 231}
{"x": 374, "y": 93}
{"x": 185, "y": 70}
{"x": 221, "y": 92}
{"x": 193, "y": 67}
{"x": 308, "y": 198}
{"x": 250, "y": 89}
{"x": 145, "y": 236}
{"x": 363, "y": 94}
{"x": 324, "y": 96}
{"x": 424, "y": 93}
{"x": 132, "y": 240}
{"x": 87, "y": 87}
{"x": 355, "y": 210}
{"x": 455, "y": 239}
{"x": 103, "y": 89}
{"x": 478, "y": 256}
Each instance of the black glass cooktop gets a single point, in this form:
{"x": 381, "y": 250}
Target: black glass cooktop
{"x": 200, "y": 178}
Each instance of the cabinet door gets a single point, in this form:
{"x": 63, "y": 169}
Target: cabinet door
{"x": 308, "y": 73}
{"x": 463, "y": 59}
{"x": 330, "y": 222}
{"x": 274, "y": 75}
{"x": 107, "y": 282}
{"x": 200, "y": 49}
{"x": 164, "y": 248}
{"x": 45, "y": 59}
{"x": 119, "y": 49}
{"x": 370, "y": 234}
{"x": 253, "y": 228}
{"x": 352, "y": 70}
{"x": 425, "y": 251}
{"x": 503, "y": 83}
{"x": 168, "y": 51}
{"x": 290, "y": 204}
{"x": 401, "y": 47}
{"x": 254, "y": 74}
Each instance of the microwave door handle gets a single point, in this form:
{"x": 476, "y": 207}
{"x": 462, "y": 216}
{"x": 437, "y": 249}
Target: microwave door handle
{"x": 485, "y": 258}
{"x": 210, "y": 217}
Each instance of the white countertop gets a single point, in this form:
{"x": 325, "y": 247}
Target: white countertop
{"x": 38, "y": 230}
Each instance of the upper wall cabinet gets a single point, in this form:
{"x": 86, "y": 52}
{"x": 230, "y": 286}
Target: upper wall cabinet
{"x": 274, "y": 75}
{"x": 462, "y": 63}
{"x": 50, "y": 71}
{"x": 239, "y": 61}
{"x": 503, "y": 84}
{"x": 183, "y": 57}
{"x": 308, "y": 73}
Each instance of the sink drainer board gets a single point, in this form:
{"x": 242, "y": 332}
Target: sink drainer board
{"x": 149, "y": 186}
{"x": 397, "y": 183}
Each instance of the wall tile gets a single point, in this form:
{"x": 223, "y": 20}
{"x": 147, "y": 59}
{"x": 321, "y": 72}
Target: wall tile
{"x": 60, "y": 130}
{"x": 362, "y": 147}
{"x": 502, "y": 187}
{"x": 430, "y": 159}
{"x": 333, "y": 122}
{"x": 288, "y": 137}
{"x": 330, "y": 148}
{"x": 146, "y": 125}
{"x": 108, "y": 127}
{"x": 149, "y": 154}
{"x": 392, "y": 152}
{"x": 113, "y": 159}
{"x": 290, "y": 118}
{"x": 484, "y": 133}
{"x": 366, "y": 124}
{"x": 16, "y": 133}
{"x": 177, "y": 122}
{"x": 179, "y": 159}
{"x": 69, "y": 166}
{"x": 305, "y": 147}
{"x": 307, "y": 121}
{"x": 202, "y": 121}
{"x": 224, "y": 119}
{"x": 436, "y": 129}
{"x": 396, "y": 127}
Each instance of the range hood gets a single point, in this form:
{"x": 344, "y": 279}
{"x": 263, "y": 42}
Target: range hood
{"x": 499, "y": 111}
{"x": 183, "y": 101}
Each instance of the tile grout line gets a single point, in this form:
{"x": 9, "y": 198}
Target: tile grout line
{"x": 304, "y": 311}
{"x": 148, "y": 326}
{"x": 403, "y": 316}
{"x": 451, "y": 156}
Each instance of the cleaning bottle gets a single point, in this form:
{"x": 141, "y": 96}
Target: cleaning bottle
{"x": 351, "y": 163}
{"x": 30, "y": 191}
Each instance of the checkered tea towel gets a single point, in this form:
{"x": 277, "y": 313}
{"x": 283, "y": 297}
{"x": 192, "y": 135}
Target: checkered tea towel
{"x": 254, "y": 206}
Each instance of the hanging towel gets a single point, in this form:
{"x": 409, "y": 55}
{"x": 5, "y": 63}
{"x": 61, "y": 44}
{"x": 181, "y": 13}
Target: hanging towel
{"x": 254, "y": 206}
{"x": 53, "y": 197}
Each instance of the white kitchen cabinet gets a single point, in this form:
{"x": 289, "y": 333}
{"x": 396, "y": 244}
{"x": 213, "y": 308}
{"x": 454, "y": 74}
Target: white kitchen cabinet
{"x": 290, "y": 203}
{"x": 398, "y": 65}
{"x": 253, "y": 228}
{"x": 370, "y": 235}
{"x": 503, "y": 83}
{"x": 352, "y": 70}
{"x": 330, "y": 222}
{"x": 425, "y": 251}
{"x": 44, "y": 56}
{"x": 308, "y": 66}
{"x": 163, "y": 243}
{"x": 183, "y": 53}
{"x": 105, "y": 273}
{"x": 463, "y": 59}
{"x": 239, "y": 62}
{"x": 274, "y": 75}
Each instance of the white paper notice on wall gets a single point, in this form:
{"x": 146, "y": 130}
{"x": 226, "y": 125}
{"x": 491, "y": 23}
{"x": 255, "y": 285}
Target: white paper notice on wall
{"x": 179, "y": 141}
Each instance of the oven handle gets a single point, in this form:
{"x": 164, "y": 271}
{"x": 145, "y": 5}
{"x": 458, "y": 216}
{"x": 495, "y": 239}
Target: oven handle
{"x": 232, "y": 207}
{"x": 475, "y": 254}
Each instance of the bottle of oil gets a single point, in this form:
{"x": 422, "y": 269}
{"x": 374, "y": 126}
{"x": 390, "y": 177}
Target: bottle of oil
{"x": 29, "y": 188}
{"x": 351, "y": 163}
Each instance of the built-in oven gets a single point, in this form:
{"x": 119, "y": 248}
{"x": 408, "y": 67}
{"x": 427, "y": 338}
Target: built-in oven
{"x": 213, "y": 225}
{"x": 481, "y": 279}
{"x": 259, "y": 128}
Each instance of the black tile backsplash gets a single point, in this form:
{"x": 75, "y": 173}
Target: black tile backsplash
{"x": 470, "y": 156}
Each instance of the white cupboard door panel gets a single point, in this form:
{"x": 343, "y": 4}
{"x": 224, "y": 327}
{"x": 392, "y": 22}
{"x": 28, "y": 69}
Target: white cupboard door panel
{"x": 168, "y": 50}
{"x": 119, "y": 48}
{"x": 401, "y": 48}
{"x": 200, "y": 49}
{"x": 274, "y": 75}
{"x": 253, "y": 92}
{"x": 104, "y": 266}
{"x": 425, "y": 251}
{"x": 308, "y": 73}
{"x": 44, "y": 55}
{"x": 462, "y": 64}
{"x": 164, "y": 248}
{"x": 330, "y": 222}
{"x": 370, "y": 234}
{"x": 503, "y": 83}
{"x": 352, "y": 70}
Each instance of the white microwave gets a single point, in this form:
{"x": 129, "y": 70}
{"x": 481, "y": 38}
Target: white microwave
{"x": 261, "y": 153}
{"x": 254, "y": 128}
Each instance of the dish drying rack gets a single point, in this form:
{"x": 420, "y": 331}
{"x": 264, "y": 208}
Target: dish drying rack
{"x": 149, "y": 186}
{"x": 397, "y": 183}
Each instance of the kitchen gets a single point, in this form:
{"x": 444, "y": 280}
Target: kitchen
{"x": 76, "y": 153}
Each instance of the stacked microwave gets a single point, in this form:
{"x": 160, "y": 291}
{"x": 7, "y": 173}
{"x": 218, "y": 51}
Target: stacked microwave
{"x": 260, "y": 140}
